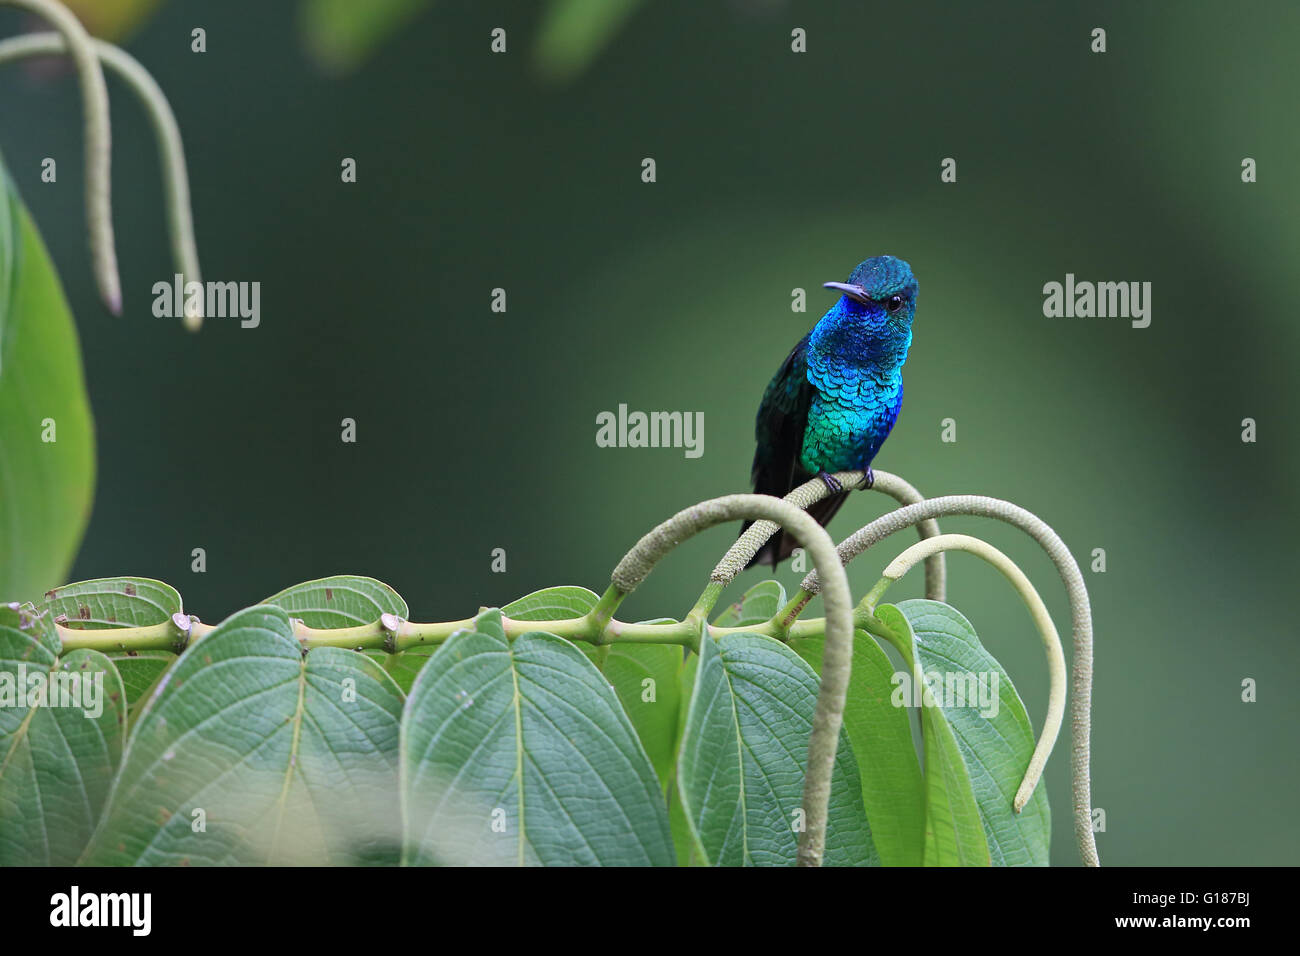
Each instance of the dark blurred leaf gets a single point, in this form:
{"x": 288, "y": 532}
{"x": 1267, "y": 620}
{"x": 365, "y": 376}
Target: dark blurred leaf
{"x": 574, "y": 32}
{"x": 341, "y": 34}
{"x": 112, "y": 19}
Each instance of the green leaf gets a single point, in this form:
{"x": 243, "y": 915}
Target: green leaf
{"x": 342, "y": 34}
{"x": 405, "y": 666}
{"x": 954, "y": 833}
{"x": 519, "y": 753}
{"x": 992, "y": 731}
{"x": 744, "y": 754}
{"x": 893, "y": 790}
{"x": 57, "y": 757}
{"x": 575, "y": 31}
{"x": 141, "y": 672}
{"x": 552, "y": 604}
{"x": 557, "y": 604}
{"x": 756, "y": 606}
{"x": 113, "y": 602}
{"x": 644, "y": 676}
{"x": 344, "y": 600}
{"x": 45, "y": 486}
{"x": 290, "y": 759}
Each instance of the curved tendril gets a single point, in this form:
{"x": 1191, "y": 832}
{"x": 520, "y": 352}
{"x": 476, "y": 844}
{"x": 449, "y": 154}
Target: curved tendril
{"x": 1080, "y": 614}
{"x": 180, "y": 220}
{"x": 94, "y": 97}
{"x": 1042, "y": 620}
{"x": 811, "y": 492}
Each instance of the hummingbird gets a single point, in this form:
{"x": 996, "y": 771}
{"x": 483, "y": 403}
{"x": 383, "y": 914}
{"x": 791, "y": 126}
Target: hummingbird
{"x": 835, "y": 398}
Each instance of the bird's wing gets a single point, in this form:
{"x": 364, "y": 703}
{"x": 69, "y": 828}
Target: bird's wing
{"x": 779, "y": 428}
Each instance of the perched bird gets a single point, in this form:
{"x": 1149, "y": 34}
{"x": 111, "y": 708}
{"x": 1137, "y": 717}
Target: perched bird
{"x": 835, "y": 398}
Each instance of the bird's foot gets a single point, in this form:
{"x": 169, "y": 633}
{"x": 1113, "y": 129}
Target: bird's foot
{"x": 832, "y": 483}
{"x": 868, "y": 478}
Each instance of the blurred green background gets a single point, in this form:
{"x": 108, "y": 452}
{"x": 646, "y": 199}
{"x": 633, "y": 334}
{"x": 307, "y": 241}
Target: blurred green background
{"x": 775, "y": 170}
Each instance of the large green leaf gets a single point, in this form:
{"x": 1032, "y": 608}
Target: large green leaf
{"x": 744, "y": 754}
{"x": 892, "y": 787}
{"x": 954, "y": 833}
{"x": 45, "y": 486}
{"x": 519, "y": 753}
{"x": 992, "y": 731}
{"x": 653, "y": 707}
{"x": 57, "y": 757}
{"x": 290, "y": 759}
{"x": 343, "y": 600}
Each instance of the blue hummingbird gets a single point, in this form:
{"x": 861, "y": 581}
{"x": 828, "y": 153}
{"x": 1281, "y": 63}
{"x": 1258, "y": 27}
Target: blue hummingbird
{"x": 835, "y": 398}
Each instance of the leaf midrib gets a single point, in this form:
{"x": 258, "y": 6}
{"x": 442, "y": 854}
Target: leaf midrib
{"x": 292, "y": 767}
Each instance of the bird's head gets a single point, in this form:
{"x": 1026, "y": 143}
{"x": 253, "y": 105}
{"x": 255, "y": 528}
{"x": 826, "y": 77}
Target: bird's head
{"x": 873, "y": 318}
{"x": 884, "y": 287}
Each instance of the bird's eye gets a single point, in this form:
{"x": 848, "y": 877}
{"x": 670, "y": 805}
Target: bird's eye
{"x": 894, "y": 303}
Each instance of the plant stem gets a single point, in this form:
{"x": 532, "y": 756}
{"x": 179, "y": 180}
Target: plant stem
{"x": 785, "y": 618}
{"x": 407, "y": 635}
{"x": 708, "y": 600}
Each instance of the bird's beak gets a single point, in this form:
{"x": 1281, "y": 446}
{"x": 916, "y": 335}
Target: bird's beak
{"x": 852, "y": 291}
